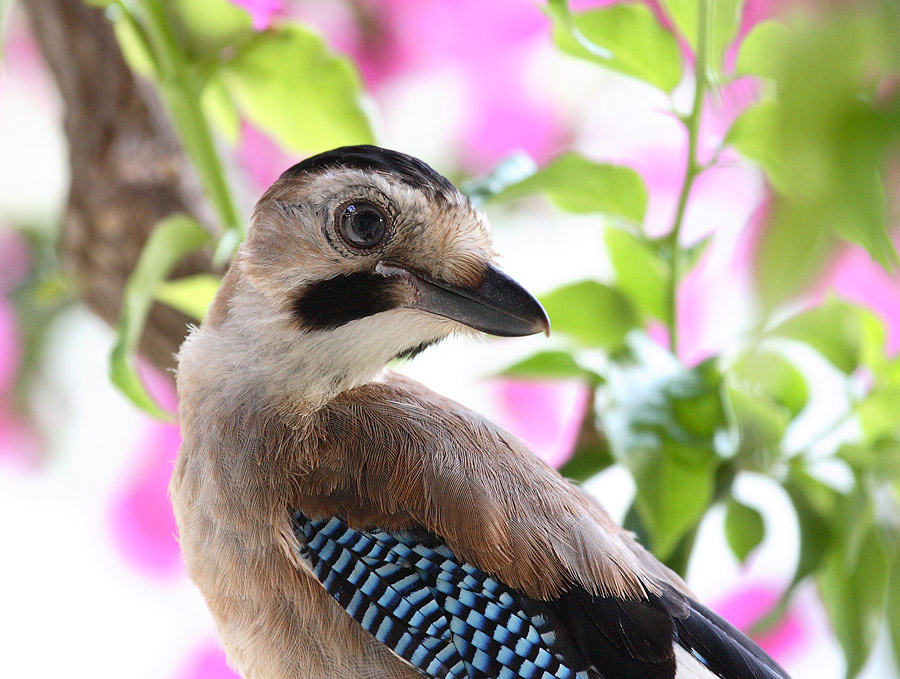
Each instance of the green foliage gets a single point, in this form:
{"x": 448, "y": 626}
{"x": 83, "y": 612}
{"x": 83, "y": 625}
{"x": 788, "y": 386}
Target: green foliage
{"x": 191, "y": 295}
{"x": 814, "y": 504}
{"x": 752, "y": 133}
{"x": 550, "y": 365}
{"x": 212, "y": 67}
{"x": 823, "y": 138}
{"x": 834, "y": 329}
{"x": 821, "y": 133}
{"x": 744, "y": 528}
{"x": 591, "y": 313}
{"x": 575, "y": 184}
{"x": 313, "y": 105}
{"x": 173, "y": 238}
{"x": 724, "y": 18}
{"x": 624, "y": 37}
{"x": 770, "y": 376}
{"x": 893, "y": 604}
{"x": 759, "y": 51}
{"x": 674, "y": 489}
{"x": 662, "y": 421}
{"x": 855, "y": 596}
{"x": 642, "y": 274}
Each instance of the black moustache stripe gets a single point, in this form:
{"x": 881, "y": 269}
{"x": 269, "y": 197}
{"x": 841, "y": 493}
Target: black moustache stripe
{"x": 331, "y": 303}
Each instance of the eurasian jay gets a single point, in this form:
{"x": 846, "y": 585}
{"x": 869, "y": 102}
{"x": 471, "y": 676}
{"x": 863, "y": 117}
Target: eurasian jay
{"x": 344, "y": 522}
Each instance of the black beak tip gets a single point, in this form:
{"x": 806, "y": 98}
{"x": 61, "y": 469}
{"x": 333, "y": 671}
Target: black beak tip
{"x": 543, "y": 324}
{"x": 498, "y": 305}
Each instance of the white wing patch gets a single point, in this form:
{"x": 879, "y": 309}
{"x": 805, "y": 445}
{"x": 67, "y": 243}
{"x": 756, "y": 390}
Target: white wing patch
{"x": 688, "y": 667}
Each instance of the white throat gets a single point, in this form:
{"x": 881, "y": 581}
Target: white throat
{"x": 260, "y": 351}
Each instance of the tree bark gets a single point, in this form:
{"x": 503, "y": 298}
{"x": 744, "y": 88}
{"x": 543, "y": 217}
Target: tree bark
{"x": 127, "y": 169}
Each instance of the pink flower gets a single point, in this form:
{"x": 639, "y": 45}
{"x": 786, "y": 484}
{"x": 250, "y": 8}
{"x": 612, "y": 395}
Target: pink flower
{"x": 855, "y": 277}
{"x": 745, "y": 607}
{"x": 140, "y": 517}
{"x": 262, "y": 158}
{"x": 20, "y": 446}
{"x": 486, "y": 45}
{"x": 207, "y": 661}
{"x": 545, "y": 414}
{"x": 10, "y": 346}
{"x": 261, "y": 11}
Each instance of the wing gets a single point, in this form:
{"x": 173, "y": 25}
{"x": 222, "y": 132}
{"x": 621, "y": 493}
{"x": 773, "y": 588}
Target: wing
{"x": 408, "y": 491}
{"x": 449, "y": 619}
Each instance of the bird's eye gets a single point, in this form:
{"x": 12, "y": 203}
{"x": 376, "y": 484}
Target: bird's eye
{"x": 362, "y": 225}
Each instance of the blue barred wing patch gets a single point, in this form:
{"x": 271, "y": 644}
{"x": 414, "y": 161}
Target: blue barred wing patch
{"x": 443, "y": 616}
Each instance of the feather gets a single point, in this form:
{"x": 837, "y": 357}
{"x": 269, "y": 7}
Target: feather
{"x": 444, "y": 617}
{"x": 726, "y": 651}
{"x": 448, "y": 618}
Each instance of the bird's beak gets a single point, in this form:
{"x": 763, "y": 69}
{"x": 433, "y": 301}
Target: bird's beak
{"x": 498, "y": 305}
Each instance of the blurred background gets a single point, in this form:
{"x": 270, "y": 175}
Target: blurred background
{"x": 702, "y": 192}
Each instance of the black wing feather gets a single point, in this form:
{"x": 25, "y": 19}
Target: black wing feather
{"x": 619, "y": 638}
{"x": 625, "y": 639}
{"x": 725, "y": 650}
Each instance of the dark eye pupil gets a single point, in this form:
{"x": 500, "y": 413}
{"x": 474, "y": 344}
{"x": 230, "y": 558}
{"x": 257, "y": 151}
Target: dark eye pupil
{"x": 363, "y": 225}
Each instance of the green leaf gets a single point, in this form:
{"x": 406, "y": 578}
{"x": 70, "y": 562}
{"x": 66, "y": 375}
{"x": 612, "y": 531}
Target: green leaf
{"x": 766, "y": 373}
{"x": 834, "y": 329}
{"x": 290, "y": 85}
{"x": 879, "y": 414}
{"x": 511, "y": 170}
{"x": 205, "y": 28}
{"x": 172, "y": 239}
{"x": 879, "y": 459}
{"x": 874, "y": 353}
{"x": 552, "y": 365}
{"x": 760, "y": 51}
{"x": 591, "y": 454}
{"x": 662, "y": 422}
{"x": 219, "y": 108}
{"x": 814, "y": 505}
{"x": 134, "y": 46}
{"x": 789, "y": 257}
{"x": 593, "y": 314}
{"x": 695, "y": 400}
{"x": 761, "y": 425}
{"x": 893, "y": 605}
{"x": 723, "y": 22}
{"x": 755, "y": 135}
{"x": 674, "y": 490}
{"x": 744, "y": 529}
{"x": 831, "y": 132}
{"x": 640, "y": 272}
{"x": 576, "y": 184}
{"x": 854, "y": 516}
{"x": 191, "y": 295}
{"x": 626, "y": 38}
{"x": 586, "y": 462}
{"x": 855, "y": 598}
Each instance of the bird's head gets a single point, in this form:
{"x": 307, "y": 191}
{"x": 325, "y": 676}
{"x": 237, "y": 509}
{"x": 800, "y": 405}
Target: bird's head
{"x": 359, "y": 255}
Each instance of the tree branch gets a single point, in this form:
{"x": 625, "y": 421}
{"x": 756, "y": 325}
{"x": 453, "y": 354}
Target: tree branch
{"x": 127, "y": 168}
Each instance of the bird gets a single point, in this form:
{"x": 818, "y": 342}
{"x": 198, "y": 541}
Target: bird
{"x": 343, "y": 521}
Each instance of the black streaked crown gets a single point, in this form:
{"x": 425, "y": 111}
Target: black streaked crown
{"x": 409, "y": 170}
